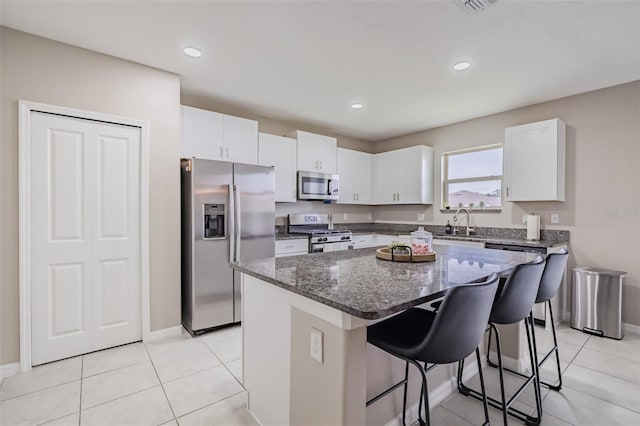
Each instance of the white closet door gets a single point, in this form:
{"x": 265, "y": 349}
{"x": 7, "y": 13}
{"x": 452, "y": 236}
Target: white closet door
{"x": 85, "y": 236}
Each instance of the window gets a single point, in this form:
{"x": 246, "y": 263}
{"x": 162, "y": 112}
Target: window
{"x": 472, "y": 178}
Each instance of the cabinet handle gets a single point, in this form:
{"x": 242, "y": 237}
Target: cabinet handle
{"x": 221, "y": 154}
{"x": 507, "y": 191}
{"x": 398, "y": 196}
{"x": 227, "y": 152}
{"x": 320, "y": 164}
{"x": 358, "y": 197}
{"x": 354, "y": 197}
{"x": 394, "y": 196}
{"x": 315, "y": 164}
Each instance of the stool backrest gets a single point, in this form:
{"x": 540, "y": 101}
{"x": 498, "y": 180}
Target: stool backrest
{"x": 552, "y": 275}
{"x": 460, "y": 322}
{"x": 518, "y": 294}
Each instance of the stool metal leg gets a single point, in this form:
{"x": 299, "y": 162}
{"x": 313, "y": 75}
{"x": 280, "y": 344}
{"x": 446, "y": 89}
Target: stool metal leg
{"x": 533, "y": 358}
{"x": 404, "y": 400}
{"x": 501, "y": 371}
{"x": 424, "y": 388}
{"x": 484, "y": 392}
{"x": 554, "y": 349}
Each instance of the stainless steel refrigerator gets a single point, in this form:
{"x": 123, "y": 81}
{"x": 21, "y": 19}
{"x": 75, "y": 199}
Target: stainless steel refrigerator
{"x": 228, "y": 214}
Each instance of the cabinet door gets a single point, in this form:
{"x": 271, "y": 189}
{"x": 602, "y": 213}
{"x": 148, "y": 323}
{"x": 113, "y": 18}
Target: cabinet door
{"x": 385, "y": 178}
{"x": 202, "y": 134}
{"x": 280, "y": 152}
{"x": 240, "y": 139}
{"x": 347, "y": 170}
{"x": 363, "y": 168}
{"x": 534, "y": 161}
{"x": 307, "y": 159}
{"x": 415, "y": 180}
{"x": 326, "y": 154}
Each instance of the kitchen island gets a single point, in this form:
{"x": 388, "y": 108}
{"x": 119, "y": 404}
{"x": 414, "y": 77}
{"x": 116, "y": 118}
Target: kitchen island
{"x": 337, "y": 295}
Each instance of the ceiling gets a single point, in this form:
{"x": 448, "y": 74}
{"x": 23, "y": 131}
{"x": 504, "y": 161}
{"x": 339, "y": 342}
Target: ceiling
{"x": 309, "y": 61}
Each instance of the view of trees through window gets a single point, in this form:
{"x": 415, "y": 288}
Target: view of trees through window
{"x": 473, "y": 178}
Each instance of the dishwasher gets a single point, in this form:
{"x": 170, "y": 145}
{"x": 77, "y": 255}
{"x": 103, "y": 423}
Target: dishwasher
{"x": 539, "y": 309}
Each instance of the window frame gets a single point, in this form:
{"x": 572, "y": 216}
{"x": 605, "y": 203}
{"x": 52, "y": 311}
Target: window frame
{"x": 444, "y": 199}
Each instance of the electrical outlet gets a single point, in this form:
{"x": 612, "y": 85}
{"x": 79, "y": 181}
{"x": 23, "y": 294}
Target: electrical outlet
{"x": 369, "y": 216}
{"x": 420, "y": 217}
{"x": 555, "y": 218}
{"x": 524, "y": 218}
{"x": 345, "y": 216}
{"x": 316, "y": 345}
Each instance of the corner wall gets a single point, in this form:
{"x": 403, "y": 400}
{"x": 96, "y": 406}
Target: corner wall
{"x": 41, "y": 70}
{"x": 602, "y": 207}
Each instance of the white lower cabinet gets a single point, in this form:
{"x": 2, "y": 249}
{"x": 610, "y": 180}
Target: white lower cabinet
{"x": 292, "y": 247}
{"x": 280, "y": 152}
{"x": 363, "y": 241}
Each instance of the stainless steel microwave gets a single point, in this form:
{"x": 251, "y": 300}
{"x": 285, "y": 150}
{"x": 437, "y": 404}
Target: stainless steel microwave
{"x": 317, "y": 186}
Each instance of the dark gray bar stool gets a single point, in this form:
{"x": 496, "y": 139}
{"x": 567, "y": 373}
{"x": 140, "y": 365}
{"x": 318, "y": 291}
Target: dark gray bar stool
{"x": 450, "y": 335}
{"x": 513, "y": 304}
{"x": 556, "y": 264}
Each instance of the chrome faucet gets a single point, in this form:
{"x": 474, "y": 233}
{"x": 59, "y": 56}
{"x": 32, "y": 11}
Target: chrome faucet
{"x": 455, "y": 220}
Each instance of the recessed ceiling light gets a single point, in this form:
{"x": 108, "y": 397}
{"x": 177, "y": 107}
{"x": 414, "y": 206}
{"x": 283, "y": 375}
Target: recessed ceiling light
{"x": 461, "y": 66}
{"x": 357, "y": 105}
{"x": 193, "y": 52}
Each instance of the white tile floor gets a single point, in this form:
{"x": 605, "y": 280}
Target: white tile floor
{"x": 194, "y": 381}
{"x": 601, "y": 384}
{"x": 177, "y": 380}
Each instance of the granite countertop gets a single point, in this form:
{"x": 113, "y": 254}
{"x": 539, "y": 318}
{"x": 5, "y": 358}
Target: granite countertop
{"x": 356, "y": 282}
{"x": 509, "y": 236}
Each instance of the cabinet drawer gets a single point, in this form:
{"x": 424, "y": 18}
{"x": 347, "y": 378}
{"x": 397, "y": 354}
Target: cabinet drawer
{"x": 292, "y": 247}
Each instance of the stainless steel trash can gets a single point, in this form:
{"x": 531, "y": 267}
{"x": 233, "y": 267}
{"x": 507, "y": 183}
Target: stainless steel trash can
{"x": 596, "y": 301}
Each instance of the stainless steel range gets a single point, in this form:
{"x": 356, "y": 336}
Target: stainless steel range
{"x": 321, "y": 237}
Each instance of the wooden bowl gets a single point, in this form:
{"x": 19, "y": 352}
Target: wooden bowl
{"x": 385, "y": 254}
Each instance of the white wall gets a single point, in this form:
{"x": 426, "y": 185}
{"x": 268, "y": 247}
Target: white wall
{"x": 41, "y": 70}
{"x": 602, "y": 207}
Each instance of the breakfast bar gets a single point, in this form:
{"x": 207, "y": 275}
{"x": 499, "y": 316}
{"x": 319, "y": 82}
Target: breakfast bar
{"x": 305, "y": 356}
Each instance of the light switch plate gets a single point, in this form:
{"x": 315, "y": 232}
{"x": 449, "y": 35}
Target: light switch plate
{"x": 345, "y": 216}
{"x": 555, "y": 218}
{"x": 524, "y": 218}
{"x": 421, "y": 217}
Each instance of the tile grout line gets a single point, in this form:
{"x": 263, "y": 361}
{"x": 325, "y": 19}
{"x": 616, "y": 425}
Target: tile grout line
{"x": 224, "y": 364}
{"x": 213, "y": 403}
{"x": 161, "y": 384}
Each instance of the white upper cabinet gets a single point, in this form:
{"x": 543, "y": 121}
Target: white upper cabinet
{"x": 280, "y": 152}
{"x": 534, "y": 161}
{"x": 354, "y": 169}
{"x": 201, "y": 133}
{"x": 214, "y": 136}
{"x": 403, "y": 176}
{"x": 316, "y": 153}
{"x": 240, "y": 137}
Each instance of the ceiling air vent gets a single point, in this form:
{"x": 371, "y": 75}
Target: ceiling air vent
{"x": 474, "y": 6}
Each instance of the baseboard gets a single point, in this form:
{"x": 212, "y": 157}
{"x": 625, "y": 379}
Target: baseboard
{"x": 7, "y": 370}
{"x": 521, "y": 364}
{"x": 630, "y": 328}
{"x": 438, "y": 395}
{"x": 161, "y": 334}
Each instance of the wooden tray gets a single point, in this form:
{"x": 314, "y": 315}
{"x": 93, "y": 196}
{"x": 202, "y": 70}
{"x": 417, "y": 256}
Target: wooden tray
{"x": 385, "y": 253}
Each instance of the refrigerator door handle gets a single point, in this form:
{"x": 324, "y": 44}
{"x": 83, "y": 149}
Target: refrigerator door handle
{"x": 238, "y": 221}
{"x": 232, "y": 225}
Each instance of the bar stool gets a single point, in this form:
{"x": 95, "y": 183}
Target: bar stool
{"x": 513, "y": 304}
{"x": 556, "y": 264}
{"x": 450, "y": 335}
